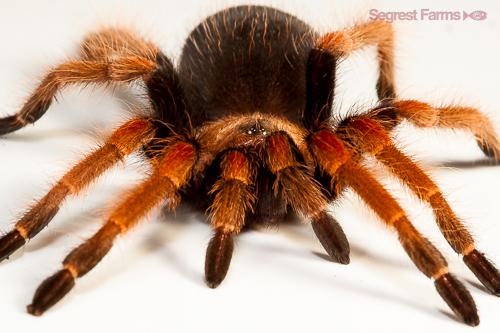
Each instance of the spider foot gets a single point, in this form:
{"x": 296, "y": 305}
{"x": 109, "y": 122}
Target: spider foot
{"x": 332, "y": 237}
{"x": 488, "y": 150}
{"x": 51, "y": 291}
{"x": 218, "y": 258}
{"x": 10, "y": 124}
{"x": 458, "y": 298}
{"x": 484, "y": 271}
{"x": 9, "y": 243}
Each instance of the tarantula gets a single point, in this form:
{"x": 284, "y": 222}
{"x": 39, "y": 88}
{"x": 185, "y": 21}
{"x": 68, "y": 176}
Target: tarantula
{"x": 243, "y": 127}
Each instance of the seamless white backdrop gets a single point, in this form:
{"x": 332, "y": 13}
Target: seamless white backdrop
{"x": 153, "y": 278}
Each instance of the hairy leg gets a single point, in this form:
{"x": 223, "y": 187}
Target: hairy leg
{"x": 129, "y": 137}
{"x": 79, "y": 71}
{"x": 369, "y": 136}
{"x": 233, "y": 198}
{"x": 170, "y": 174}
{"x": 294, "y": 181}
{"x": 110, "y": 56}
{"x": 470, "y": 119}
{"x": 295, "y": 184}
{"x": 424, "y": 255}
{"x": 115, "y": 42}
{"x": 330, "y": 234}
{"x": 378, "y": 33}
{"x": 327, "y": 147}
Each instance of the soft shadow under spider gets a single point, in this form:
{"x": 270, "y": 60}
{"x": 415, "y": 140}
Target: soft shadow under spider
{"x": 471, "y": 164}
{"x": 478, "y": 286}
{"x": 172, "y": 225}
{"x": 290, "y": 230}
{"x": 357, "y": 251}
{"x": 359, "y": 289}
{"x": 65, "y": 228}
{"x": 39, "y": 135}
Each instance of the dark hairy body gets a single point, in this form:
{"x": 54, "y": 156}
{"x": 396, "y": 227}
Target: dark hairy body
{"x": 243, "y": 127}
{"x": 247, "y": 60}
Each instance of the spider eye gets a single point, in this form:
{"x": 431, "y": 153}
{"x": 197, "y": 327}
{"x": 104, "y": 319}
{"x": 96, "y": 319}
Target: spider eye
{"x": 257, "y": 129}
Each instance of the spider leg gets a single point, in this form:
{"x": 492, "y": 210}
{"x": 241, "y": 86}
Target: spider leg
{"x": 162, "y": 84}
{"x": 379, "y": 33}
{"x": 470, "y": 119}
{"x": 330, "y": 234}
{"x": 337, "y": 160}
{"x": 233, "y": 199}
{"x": 122, "y": 142}
{"x": 79, "y": 71}
{"x": 299, "y": 190}
{"x": 171, "y": 173}
{"x": 113, "y": 42}
{"x": 372, "y": 138}
{"x": 106, "y": 58}
{"x": 322, "y": 62}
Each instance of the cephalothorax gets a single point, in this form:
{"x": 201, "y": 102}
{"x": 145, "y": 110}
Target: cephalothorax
{"x": 243, "y": 127}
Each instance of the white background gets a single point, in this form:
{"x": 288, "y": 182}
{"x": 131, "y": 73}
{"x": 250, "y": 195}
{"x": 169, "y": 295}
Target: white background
{"x": 153, "y": 278}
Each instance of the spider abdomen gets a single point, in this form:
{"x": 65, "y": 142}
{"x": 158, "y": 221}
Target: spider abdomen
{"x": 247, "y": 59}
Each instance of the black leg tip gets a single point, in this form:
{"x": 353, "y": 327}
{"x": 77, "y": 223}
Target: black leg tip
{"x": 10, "y": 243}
{"x": 10, "y": 124}
{"x": 484, "y": 270}
{"x": 458, "y": 298}
{"x": 488, "y": 151}
{"x": 34, "y": 311}
{"x": 472, "y": 320}
{"x": 218, "y": 258}
{"x": 332, "y": 237}
{"x": 213, "y": 283}
{"x": 344, "y": 260}
{"x": 51, "y": 291}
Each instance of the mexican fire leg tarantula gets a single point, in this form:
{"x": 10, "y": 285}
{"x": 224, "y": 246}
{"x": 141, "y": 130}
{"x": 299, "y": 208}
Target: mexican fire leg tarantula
{"x": 244, "y": 126}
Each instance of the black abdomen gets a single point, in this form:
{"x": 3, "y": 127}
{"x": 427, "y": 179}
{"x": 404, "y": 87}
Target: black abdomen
{"x": 247, "y": 59}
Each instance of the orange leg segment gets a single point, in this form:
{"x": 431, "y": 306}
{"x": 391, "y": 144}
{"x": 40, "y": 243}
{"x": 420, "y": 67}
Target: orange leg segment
{"x": 122, "y": 142}
{"x": 110, "y": 56}
{"x": 453, "y": 117}
{"x": 299, "y": 190}
{"x": 378, "y": 33}
{"x": 171, "y": 173}
{"x": 233, "y": 199}
{"x": 114, "y": 42}
{"x": 372, "y": 138}
{"x": 293, "y": 181}
{"x": 423, "y": 254}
